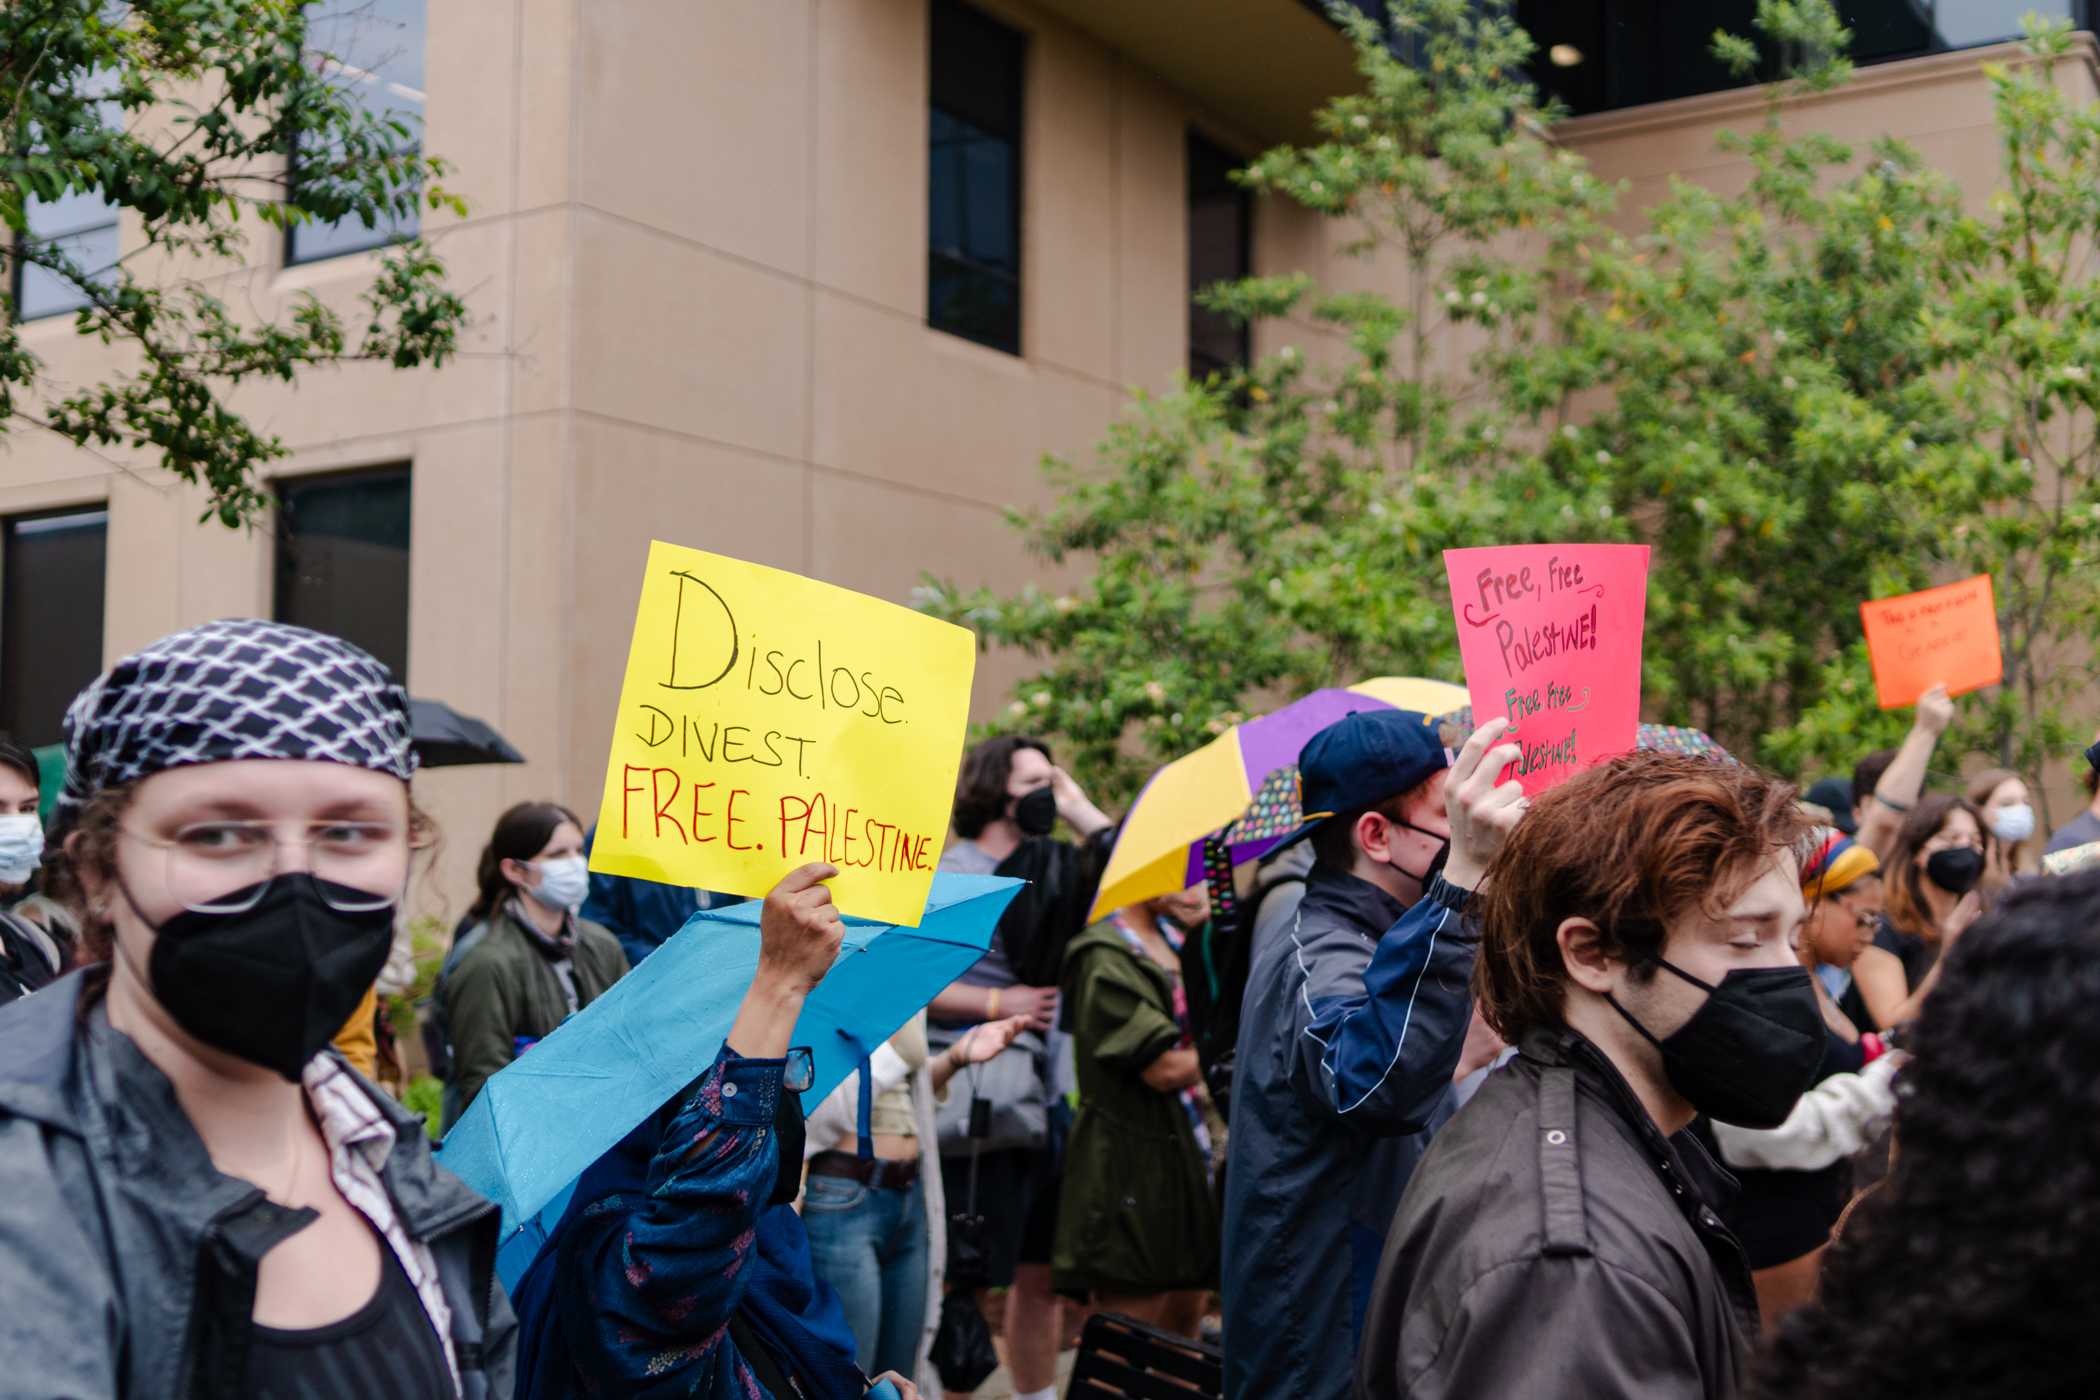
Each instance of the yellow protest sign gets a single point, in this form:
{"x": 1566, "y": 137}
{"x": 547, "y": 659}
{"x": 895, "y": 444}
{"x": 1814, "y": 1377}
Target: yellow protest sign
{"x": 768, "y": 720}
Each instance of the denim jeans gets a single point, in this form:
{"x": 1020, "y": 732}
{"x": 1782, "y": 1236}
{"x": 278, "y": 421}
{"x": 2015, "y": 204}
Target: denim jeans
{"x": 870, "y": 1246}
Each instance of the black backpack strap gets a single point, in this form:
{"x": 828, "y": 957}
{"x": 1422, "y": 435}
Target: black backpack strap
{"x": 1564, "y": 1221}
{"x": 763, "y": 1363}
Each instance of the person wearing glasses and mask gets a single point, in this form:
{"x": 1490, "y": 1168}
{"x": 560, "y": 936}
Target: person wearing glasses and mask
{"x": 197, "y": 1197}
{"x": 527, "y": 963}
{"x": 1796, "y": 1179}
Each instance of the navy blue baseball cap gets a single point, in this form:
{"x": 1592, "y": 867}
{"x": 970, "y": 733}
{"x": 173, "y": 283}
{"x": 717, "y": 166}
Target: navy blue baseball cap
{"x": 1362, "y": 760}
{"x": 1835, "y": 794}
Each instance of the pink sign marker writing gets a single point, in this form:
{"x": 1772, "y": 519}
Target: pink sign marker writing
{"x": 1551, "y": 638}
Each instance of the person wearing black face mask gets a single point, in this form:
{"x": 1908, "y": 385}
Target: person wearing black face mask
{"x": 268, "y": 1223}
{"x": 1353, "y": 1022}
{"x": 1008, "y": 800}
{"x": 1561, "y": 1236}
{"x": 1932, "y": 896}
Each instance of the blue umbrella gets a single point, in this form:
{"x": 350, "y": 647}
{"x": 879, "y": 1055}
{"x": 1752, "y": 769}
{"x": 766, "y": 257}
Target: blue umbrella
{"x": 556, "y": 1109}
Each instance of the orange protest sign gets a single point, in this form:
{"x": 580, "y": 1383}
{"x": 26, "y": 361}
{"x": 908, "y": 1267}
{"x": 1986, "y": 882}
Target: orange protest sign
{"x": 1941, "y": 636}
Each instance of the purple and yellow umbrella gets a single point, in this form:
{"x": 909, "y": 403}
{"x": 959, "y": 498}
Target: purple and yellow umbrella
{"x": 1276, "y": 811}
{"x": 1160, "y": 849}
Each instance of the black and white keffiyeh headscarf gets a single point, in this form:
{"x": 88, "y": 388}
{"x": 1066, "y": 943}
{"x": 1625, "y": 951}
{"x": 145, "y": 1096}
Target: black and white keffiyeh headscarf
{"x": 239, "y": 688}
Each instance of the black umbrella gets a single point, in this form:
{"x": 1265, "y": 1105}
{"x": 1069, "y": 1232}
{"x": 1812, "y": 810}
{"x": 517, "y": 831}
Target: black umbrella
{"x": 445, "y": 738}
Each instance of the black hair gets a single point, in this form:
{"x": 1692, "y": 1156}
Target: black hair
{"x": 1866, "y": 774}
{"x": 980, "y": 789}
{"x": 1968, "y": 1272}
{"x": 521, "y": 833}
{"x": 13, "y": 755}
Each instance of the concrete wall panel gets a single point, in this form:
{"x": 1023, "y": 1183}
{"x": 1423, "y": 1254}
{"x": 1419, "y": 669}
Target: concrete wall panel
{"x": 672, "y": 335}
{"x": 694, "y": 119}
{"x": 871, "y": 132}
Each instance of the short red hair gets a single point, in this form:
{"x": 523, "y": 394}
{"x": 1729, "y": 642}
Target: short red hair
{"x": 1631, "y": 845}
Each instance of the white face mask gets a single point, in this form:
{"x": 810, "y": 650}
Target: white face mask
{"x": 21, "y": 847}
{"x": 564, "y": 882}
{"x": 2014, "y": 823}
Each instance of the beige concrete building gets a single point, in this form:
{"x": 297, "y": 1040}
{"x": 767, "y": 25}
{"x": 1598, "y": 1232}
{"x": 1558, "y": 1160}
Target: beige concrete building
{"x": 810, "y": 282}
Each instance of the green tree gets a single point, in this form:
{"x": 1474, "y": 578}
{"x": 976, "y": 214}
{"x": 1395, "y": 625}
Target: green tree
{"x": 1767, "y": 418}
{"x": 1277, "y": 528}
{"x": 1834, "y": 385}
{"x": 2010, "y": 321}
{"x": 182, "y": 113}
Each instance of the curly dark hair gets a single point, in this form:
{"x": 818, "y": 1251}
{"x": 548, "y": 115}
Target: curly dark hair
{"x": 1968, "y": 1273}
{"x": 980, "y": 789}
{"x": 1905, "y": 893}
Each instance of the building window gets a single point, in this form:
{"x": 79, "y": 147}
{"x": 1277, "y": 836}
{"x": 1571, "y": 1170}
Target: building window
{"x": 973, "y": 257}
{"x": 81, "y": 226}
{"x": 51, "y": 583}
{"x": 1221, "y": 249}
{"x": 342, "y": 559}
{"x": 1602, "y": 55}
{"x": 372, "y": 50}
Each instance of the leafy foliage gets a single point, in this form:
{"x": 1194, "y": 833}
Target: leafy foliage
{"x": 182, "y": 113}
{"x": 1834, "y": 385}
{"x": 1273, "y": 529}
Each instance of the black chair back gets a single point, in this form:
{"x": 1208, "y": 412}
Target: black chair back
{"x": 1121, "y": 1358}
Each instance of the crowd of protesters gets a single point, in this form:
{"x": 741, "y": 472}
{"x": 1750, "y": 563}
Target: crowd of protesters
{"x": 1666, "y": 1082}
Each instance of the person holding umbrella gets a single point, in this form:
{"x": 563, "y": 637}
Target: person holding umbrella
{"x": 680, "y": 1267}
{"x": 196, "y": 1196}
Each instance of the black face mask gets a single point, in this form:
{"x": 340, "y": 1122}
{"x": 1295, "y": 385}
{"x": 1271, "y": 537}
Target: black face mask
{"x": 1750, "y": 1051}
{"x": 1436, "y": 862}
{"x": 1036, "y": 813}
{"x": 789, "y": 1128}
{"x": 1956, "y": 871}
{"x": 272, "y": 984}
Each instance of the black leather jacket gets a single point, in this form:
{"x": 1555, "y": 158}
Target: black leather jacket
{"x": 128, "y": 1261}
{"x": 1554, "y": 1243}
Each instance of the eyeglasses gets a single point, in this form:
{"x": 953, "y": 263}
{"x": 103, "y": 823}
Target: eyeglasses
{"x": 1864, "y": 918}
{"x": 226, "y": 867}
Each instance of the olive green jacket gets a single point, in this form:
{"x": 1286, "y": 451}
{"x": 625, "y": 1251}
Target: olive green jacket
{"x": 503, "y": 989}
{"x": 1136, "y": 1215}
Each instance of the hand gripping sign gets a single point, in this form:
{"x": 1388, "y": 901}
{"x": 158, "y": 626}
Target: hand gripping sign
{"x": 1551, "y": 637}
{"x": 768, "y": 720}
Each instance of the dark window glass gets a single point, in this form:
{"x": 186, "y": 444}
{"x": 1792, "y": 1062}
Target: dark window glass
{"x": 372, "y": 50}
{"x": 342, "y": 559}
{"x": 973, "y": 257}
{"x": 51, "y": 586}
{"x": 1221, "y": 243}
{"x": 1601, "y": 55}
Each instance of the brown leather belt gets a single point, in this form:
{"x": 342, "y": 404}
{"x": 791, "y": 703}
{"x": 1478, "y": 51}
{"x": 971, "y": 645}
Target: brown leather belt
{"x": 879, "y": 1172}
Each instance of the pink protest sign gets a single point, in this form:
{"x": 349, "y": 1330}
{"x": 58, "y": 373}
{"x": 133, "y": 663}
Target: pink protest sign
{"x": 1551, "y": 637}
